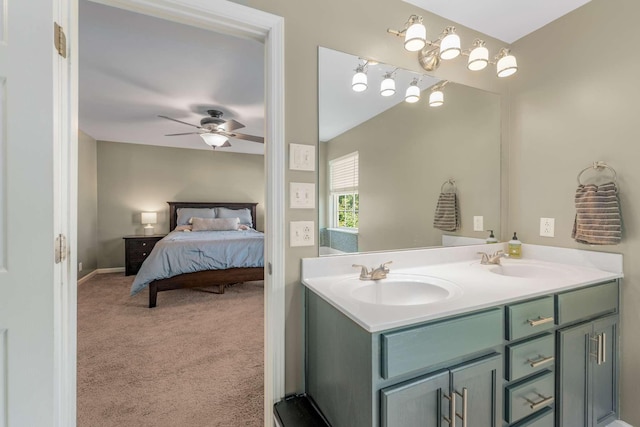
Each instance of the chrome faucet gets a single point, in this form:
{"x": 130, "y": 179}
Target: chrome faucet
{"x": 375, "y": 273}
{"x": 493, "y": 258}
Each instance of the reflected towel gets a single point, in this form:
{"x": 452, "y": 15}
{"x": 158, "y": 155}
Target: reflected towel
{"x": 598, "y": 220}
{"x": 447, "y": 216}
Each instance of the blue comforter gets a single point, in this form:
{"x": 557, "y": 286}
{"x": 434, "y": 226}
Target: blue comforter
{"x": 187, "y": 252}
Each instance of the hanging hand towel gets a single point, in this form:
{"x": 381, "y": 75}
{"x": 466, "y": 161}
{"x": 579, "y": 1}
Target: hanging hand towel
{"x": 447, "y": 217}
{"x": 598, "y": 220}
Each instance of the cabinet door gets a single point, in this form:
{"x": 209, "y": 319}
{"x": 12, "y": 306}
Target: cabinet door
{"x": 573, "y": 348}
{"x": 481, "y": 381}
{"x": 604, "y": 374}
{"x": 415, "y": 403}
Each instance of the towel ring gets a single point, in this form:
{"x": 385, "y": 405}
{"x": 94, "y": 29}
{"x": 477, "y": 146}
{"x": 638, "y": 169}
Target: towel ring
{"x": 599, "y": 165}
{"x": 451, "y": 182}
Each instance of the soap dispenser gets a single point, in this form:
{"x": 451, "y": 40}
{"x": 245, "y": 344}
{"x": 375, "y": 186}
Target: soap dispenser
{"x": 492, "y": 238}
{"x": 515, "y": 247}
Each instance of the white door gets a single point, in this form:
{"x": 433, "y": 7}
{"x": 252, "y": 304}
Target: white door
{"x": 33, "y": 192}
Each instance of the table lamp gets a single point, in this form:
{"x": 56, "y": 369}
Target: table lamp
{"x": 149, "y": 218}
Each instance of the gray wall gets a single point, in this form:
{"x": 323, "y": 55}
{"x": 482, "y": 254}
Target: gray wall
{"x": 409, "y": 151}
{"x": 575, "y": 101}
{"x": 87, "y": 204}
{"x": 133, "y": 178}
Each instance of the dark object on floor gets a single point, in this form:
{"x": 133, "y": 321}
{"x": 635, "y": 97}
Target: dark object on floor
{"x": 298, "y": 411}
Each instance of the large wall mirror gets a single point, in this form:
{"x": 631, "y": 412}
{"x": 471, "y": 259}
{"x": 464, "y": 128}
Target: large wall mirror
{"x": 384, "y": 162}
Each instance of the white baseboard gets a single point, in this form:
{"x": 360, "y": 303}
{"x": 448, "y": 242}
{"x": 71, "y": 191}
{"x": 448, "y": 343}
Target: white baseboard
{"x": 87, "y": 277}
{"x": 110, "y": 270}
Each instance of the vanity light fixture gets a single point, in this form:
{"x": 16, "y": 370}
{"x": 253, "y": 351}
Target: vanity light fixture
{"x": 413, "y": 92}
{"x": 388, "y": 85}
{"x": 414, "y": 32}
{"x": 436, "y": 97}
{"x": 213, "y": 139}
{"x": 359, "y": 81}
{"x": 447, "y": 46}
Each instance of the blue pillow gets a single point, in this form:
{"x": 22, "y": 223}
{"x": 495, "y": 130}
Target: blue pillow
{"x": 185, "y": 214}
{"x": 243, "y": 214}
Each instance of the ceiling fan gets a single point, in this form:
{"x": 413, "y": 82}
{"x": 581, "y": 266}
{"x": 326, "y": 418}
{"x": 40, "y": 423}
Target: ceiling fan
{"x": 216, "y": 131}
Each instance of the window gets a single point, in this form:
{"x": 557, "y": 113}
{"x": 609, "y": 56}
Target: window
{"x": 345, "y": 203}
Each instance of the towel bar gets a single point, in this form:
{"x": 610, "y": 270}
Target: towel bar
{"x": 598, "y": 166}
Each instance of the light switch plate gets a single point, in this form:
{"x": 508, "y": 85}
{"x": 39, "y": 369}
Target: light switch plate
{"x": 301, "y": 233}
{"x": 302, "y": 157}
{"x": 478, "y": 223}
{"x": 302, "y": 195}
{"x": 547, "y": 227}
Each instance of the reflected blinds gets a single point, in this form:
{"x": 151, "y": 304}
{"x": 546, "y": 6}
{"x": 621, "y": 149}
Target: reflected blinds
{"x": 344, "y": 173}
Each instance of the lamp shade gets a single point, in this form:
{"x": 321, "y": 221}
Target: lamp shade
{"x": 450, "y": 46}
{"x": 436, "y": 98}
{"x": 149, "y": 218}
{"x": 412, "y": 94}
{"x": 359, "y": 82}
{"x": 507, "y": 65}
{"x": 213, "y": 139}
{"x": 415, "y": 37}
{"x": 388, "y": 86}
{"x": 478, "y": 58}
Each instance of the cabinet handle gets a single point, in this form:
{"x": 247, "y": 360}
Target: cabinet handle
{"x": 144, "y": 244}
{"x": 144, "y": 254}
{"x": 541, "y": 361}
{"x": 604, "y": 347}
{"x": 463, "y": 417}
{"x": 451, "y": 419}
{"x": 540, "y": 321}
{"x": 600, "y": 356}
{"x": 546, "y": 400}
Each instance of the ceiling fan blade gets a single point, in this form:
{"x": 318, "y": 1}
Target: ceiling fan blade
{"x": 230, "y": 125}
{"x": 226, "y": 144}
{"x": 186, "y": 133}
{"x": 247, "y": 137}
{"x": 180, "y": 121}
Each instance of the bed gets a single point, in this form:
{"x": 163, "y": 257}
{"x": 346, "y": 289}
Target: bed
{"x": 225, "y": 258}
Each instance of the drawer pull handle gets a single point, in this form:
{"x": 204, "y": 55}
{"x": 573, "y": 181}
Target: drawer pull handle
{"x": 541, "y": 361}
{"x": 451, "y": 419}
{"x": 540, "y": 321}
{"x": 144, "y": 254}
{"x": 144, "y": 244}
{"x": 463, "y": 417}
{"x": 601, "y": 344}
{"x": 537, "y": 405}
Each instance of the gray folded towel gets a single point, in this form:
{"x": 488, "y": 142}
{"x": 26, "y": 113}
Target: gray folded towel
{"x": 598, "y": 220}
{"x": 447, "y": 216}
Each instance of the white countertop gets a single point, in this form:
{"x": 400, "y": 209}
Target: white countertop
{"x": 472, "y": 286}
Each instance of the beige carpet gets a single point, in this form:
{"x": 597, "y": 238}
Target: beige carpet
{"x": 195, "y": 360}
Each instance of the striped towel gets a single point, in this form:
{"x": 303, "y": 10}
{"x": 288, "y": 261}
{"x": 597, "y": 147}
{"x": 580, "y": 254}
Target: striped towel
{"x": 447, "y": 216}
{"x": 598, "y": 220}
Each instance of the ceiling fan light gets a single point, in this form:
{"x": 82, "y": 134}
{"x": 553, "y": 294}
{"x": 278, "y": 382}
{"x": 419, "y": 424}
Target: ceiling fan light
{"x": 436, "y": 98}
{"x": 359, "y": 82}
{"x": 506, "y": 65}
{"x": 450, "y": 44}
{"x": 413, "y": 93}
{"x": 388, "y": 86}
{"x": 213, "y": 139}
{"x": 478, "y": 58}
{"x": 415, "y": 38}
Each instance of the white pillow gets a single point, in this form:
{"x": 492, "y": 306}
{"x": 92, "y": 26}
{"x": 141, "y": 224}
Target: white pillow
{"x": 214, "y": 224}
{"x": 244, "y": 215}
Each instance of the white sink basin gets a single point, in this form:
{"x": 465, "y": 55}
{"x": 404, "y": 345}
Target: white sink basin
{"x": 398, "y": 289}
{"x": 527, "y": 271}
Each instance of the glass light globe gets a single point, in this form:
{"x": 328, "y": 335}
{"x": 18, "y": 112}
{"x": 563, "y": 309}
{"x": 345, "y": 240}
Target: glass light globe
{"x": 213, "y": 139}
{"x": 436, "y": 98}
{"x": 412, "y": 94}
{"x": 450, "y": 46}
{"x": 506, "y": 66}
{"x": 415, "y": 37}
{"x": 478, "y": 59}
{"x": 387, "y": 87}
{"x": 359, "y": 82}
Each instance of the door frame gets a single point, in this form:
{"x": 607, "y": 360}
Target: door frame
{"x": 233, "y": 19}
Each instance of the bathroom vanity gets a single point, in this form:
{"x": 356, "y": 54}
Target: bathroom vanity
{"x": 526, "y": 343}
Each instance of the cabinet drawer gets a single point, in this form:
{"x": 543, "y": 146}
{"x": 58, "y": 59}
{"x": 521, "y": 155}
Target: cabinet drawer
{"x": 420, "y": 347}
{"x": 588, "y": 302}
{"x": 528, "y": 397}
{"x": 529, "y": 318}
{"x": 530, "y": 356}
{"x": 543, "y": 418}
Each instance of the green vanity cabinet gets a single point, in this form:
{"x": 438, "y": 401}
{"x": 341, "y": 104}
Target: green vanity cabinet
{"x": 587, "y": 365}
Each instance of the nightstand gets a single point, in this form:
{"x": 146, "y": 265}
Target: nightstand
{"x": 136, "y": 250}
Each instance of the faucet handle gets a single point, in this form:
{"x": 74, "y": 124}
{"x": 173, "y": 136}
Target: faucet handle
{"x": 364, "y": 272}
{"x": 384, "y": 267}
{"x": 485, "y": 257}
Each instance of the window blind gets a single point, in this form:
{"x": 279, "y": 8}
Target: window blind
{"x": 344, "y": 173}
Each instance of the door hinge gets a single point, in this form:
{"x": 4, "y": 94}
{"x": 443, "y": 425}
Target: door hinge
{"x": 60, "y": 40}
{"x": 60, "y": 248}
{"x": 270, "y": 269}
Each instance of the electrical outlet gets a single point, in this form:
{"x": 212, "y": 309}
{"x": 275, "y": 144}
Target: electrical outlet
{"x": 301, "y": 233}
{"x": 80, "y": 266}
{"x": 302, "y": 195}
{"x": 547, "y": 227}
{"x": 478, "y": 223}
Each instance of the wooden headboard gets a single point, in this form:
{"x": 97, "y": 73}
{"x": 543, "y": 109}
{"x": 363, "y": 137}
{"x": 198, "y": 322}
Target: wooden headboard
{"x": 174, "y": 206}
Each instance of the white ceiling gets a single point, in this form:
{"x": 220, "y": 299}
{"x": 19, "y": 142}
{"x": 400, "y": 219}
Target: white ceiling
{"x": 506, "y": 20}
{"x": 134, "y": 67}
